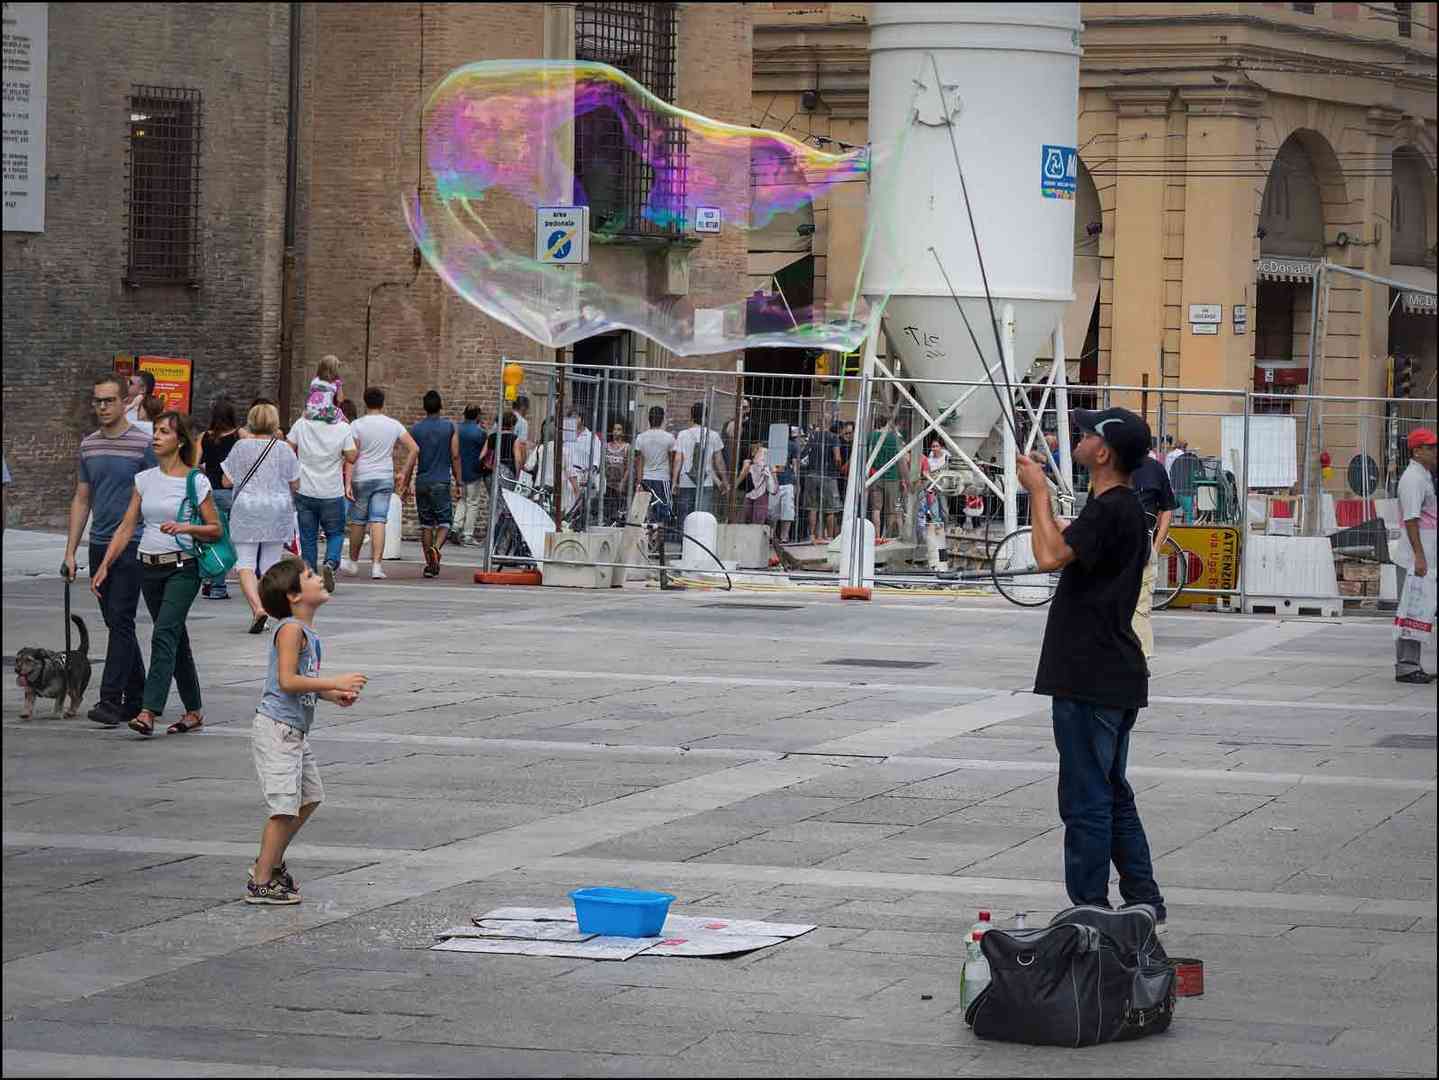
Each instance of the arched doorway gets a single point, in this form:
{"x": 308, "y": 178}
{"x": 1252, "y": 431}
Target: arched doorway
{"x": 1291, "y": 242}
{"x": 1411, "y": 259}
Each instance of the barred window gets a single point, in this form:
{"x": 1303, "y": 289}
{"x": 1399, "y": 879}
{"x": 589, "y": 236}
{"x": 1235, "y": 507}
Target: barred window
{"x": 162, "y": 178}
{"x": 1404, "y": 17}
{"x": 627, "y": 195}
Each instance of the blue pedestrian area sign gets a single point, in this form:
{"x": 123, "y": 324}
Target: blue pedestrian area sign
{"x": 562, "y": 234}
{"x": 1058, "y": 171}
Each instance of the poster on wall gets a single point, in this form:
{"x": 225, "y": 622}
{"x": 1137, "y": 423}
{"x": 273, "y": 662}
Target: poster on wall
{"x": 173, "y": 377}
{"x": 26, "y": 46}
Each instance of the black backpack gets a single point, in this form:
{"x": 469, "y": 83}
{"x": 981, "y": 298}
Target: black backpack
{"x": 1091, "y": 976}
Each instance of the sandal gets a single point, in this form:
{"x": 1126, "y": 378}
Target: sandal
{"x": 143, "y": 722}
{"x": 191, "y": 721}
{"x": 258, "y": 626}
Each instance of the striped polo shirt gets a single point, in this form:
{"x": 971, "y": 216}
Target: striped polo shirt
{"x": 109, "y": 466}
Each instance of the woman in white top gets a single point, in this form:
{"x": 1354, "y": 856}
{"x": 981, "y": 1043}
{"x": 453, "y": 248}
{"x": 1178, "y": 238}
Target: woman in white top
{"x": 262, "y": 519}
{"x": 171, "y": 577}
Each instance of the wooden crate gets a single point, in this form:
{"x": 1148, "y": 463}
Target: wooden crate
{"x": 1357, "y": 570}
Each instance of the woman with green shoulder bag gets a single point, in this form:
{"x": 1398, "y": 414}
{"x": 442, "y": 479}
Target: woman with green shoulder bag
{"x": 180, "y": 520}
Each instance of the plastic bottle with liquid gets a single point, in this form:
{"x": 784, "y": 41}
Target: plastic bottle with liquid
{"x": 983, "y": 926}
{"x": 974, "y": 976}
{"x": 1021, "y": 920}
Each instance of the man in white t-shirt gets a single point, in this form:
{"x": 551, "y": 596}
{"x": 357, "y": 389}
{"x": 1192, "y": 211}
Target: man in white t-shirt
{"x": 1180, "y": 449}
{"x": 583, "y": 457}
{"x": 697, "y": 448}
{"x": 1414, "y": 553}
{"x": 320, "y": 501}
{"x": 655, "y": 460}
{"x": 373, "y": 480}
{"x": 521, "y": 409}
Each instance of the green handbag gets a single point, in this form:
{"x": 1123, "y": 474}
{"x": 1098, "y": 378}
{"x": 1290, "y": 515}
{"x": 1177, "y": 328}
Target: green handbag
{"x": 214, "y": 558}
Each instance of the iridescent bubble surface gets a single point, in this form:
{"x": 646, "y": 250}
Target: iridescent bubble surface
{"x": 504, "y": 138}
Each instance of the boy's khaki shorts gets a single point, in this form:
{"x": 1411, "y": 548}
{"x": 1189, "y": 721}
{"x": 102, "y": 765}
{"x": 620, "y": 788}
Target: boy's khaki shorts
{"x": 286, "y": 766}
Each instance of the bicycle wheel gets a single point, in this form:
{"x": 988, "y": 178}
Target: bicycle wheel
{"x": 1172, "y": 574}
{"x": 1012, "y": 558}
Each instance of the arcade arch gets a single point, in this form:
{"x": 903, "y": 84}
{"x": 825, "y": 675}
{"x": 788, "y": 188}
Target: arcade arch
{"x": 1304, "y": 185}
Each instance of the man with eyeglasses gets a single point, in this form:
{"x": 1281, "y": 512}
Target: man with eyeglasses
{"x": 109, "y": 459}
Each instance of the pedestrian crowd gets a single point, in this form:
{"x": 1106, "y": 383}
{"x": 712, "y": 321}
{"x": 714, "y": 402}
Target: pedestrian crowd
{"x": 171, "y": 510}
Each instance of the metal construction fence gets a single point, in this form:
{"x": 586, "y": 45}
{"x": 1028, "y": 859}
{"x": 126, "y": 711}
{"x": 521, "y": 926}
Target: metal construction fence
{"x": 1242, "y": 464}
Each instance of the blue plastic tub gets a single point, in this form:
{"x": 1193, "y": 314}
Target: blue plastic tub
{"x": 621, "y": 912}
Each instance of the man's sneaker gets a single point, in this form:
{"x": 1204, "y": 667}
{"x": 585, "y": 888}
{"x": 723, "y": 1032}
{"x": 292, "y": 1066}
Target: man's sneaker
{"x": 281, "y": 874}
{"x": 275, "y": 892}
{"x": 432, "y": 562}
{"x": 218, "y": 592}
{"x": 328, "y": 573}
{"x": 1417, "y": 678}
{"x": 107, "y": 715}
{"x": 350, "y": 566}
{"x": 376, "y": 572}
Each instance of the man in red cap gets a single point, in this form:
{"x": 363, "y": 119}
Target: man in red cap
{"x": 1414, "y": 554}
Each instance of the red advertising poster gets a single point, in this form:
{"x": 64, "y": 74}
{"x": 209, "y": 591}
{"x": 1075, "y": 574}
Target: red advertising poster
{"x": 172, "y": 380}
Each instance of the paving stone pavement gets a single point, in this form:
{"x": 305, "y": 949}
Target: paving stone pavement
{"x": 516, "y": 744}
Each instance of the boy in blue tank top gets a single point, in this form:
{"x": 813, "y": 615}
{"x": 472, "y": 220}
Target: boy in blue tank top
{"x": 292, "y": 593}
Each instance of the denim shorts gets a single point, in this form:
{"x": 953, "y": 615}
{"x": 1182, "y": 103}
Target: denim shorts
{"x": 371, "y": 504}
{"x": 433, "y": 505}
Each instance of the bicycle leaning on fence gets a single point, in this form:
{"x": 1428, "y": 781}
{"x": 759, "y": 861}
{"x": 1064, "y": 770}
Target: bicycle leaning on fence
{"x": 1016, "y": 577}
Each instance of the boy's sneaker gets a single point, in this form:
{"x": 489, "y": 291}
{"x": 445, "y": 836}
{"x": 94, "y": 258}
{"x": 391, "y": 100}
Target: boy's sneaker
{"x": 274, "y": 893}
{"x": 281, "y": 874}
{"x": 219, "y": 592}
{"x": 350, "y": 567}
{"x": 376, "y": 572}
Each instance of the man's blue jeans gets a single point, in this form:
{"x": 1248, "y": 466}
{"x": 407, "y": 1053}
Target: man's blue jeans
{"x": 1096, "y": 803}
{"x": 314, "y": 513}
{"x": 122, "y": 680}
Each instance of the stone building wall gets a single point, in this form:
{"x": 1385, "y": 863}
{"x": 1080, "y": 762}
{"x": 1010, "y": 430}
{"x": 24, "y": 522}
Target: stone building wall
{"x": 66, "y": 311}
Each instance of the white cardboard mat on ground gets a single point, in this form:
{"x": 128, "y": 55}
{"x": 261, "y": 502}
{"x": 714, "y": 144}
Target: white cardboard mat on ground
{"x": 554, "y": 932}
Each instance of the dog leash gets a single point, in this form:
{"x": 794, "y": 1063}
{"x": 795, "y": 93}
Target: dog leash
{"x": 66, "y": 579}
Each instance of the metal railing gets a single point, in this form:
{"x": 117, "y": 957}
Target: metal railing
{"x": 1243, "y": 470}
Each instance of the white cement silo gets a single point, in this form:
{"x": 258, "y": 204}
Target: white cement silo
{"x": 1010, "y": 73}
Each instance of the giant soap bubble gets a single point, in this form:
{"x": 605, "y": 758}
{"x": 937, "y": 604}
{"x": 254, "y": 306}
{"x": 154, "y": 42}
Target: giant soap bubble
{"x": 500, "y": 141}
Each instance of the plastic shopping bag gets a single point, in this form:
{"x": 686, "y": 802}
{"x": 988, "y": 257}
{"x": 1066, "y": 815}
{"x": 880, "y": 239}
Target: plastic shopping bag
{"x": 1414, "y": 620}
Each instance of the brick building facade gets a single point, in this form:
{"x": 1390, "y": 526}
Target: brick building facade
{"x": 361, "y": 70}
{"x": 68, "y": 310}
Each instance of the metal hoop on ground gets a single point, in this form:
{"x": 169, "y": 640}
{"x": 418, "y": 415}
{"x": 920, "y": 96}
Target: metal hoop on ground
{"x": 1014, "y": 573}
{"x": 1172, "y": 574}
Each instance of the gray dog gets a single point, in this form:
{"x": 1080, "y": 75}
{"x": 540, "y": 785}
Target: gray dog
{"x": 50, "y": 674}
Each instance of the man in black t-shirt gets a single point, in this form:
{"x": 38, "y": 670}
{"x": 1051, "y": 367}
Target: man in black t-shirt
{"x": 1151, "y": 485}
{"x": 1092, "y": 663}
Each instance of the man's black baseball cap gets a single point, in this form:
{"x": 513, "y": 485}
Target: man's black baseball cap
{"x": 1124, "y": 432}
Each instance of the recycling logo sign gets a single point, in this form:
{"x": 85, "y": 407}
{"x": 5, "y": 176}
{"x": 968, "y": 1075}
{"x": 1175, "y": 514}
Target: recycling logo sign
{"x": 1058, "y": 171}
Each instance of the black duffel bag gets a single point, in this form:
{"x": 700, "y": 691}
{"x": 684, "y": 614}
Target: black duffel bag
{"x": 1091, "y": 976}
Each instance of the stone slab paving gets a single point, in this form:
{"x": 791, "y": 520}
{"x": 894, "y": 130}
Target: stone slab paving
{"x": 516, "y": 744}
